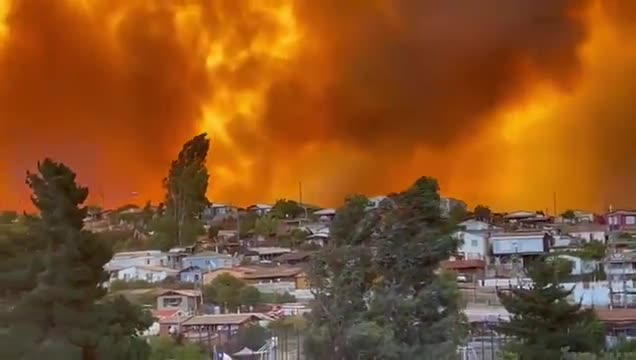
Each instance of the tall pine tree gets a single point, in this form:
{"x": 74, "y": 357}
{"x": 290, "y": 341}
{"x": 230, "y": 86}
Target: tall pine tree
{"x": 187, "y": 184}
{"x": 62, "y": 316}
{"x": 543, "y": 323}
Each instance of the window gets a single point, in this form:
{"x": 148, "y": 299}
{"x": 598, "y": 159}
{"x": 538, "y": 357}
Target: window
{"x": 147, "y": 261}
{"x": 172, "y": 301}
{"x": 149, "y": 277}
{"x": 474, "y": 243}
{"x": 630, "y": 220}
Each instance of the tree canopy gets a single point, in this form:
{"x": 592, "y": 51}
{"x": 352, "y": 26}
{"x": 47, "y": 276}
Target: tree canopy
{"x": 230, "y": 293}
{"x": 482, "y": 213}
{"x": 61, "y": 314}
{"x": 287, "y": 209}
{"x": 187, "y": 183}
{"x": 543, "y": 322}
{"x": 376, "y": 288}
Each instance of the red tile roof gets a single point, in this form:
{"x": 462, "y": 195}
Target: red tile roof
{"x": 617, "y": 316}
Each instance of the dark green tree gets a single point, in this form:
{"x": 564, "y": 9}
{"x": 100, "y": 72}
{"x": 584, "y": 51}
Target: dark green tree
{"x": 341, "y": 276}
{"x": 569, "y": 215}
{"x": 186, "y": 184}
{"x": 253, "y": 337}
{"x": 287, "y": 209}
{"x": 63, "y": 316}
{"x": 377, "y": 292}
{"x": 413, "y": 238}
{"x": 542, "y": 320}
{"x": 249, "y": 296}
{"x": 482, "y": 213}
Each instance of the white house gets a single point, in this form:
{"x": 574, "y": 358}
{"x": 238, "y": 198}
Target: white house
{"x": 260, "y": 209}
{"x": 474, "y": 244}
{"x": 518, "y": 243}
{"x": 475, "y": 225}
{"x": 375, "y": 201}
{"x": 146, "y": 273}
{"x": 122, "y": 260}
{"x": 586, "y": 231}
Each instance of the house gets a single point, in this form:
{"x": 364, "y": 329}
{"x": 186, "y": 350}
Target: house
{"x": 586, "y": 231}
{"x": 191, "y": 274}
{"x": 151, "y": 274}
{"x": 325, "y": 215}
{"x": 217, "y": 209}
{"x": 473, "y": 245}
{"x": 475, "y": 239}
{"x": 268, "y": 253}
{"x": 520, "y": 243}
{"x": 185, "y": 301}
{"x": 621, "y": 219}
{"x": 471, "y": 269}
{"x": 210, "y": 260}
{"x": 293, "y": 258}
{"x": 277, "y": 279}
{"x": 260, "y": 209}
{"x": 580, "y": 217}
{"x": 122, "y": 260}
{"x": 218, "y": 328}
{"x": 475, "y": 225}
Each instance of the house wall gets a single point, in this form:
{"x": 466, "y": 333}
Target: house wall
{"x": 176, "y": 301}
{"x": 191, "y": 276}
{"x": 619, "y": 220}
{"x": 511, "y": 246}
{"x": 151, "y": 260}
{"x": 473, "y": 246}
{"x": 208, "y": 262}
{"x": 135, "y": 273}
{"x": 589, "y": 235}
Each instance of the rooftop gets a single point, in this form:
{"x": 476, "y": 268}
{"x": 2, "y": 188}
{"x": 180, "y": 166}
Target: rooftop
{"x": 463, "y": 264}
{"x": 266, "y": 250}
{"x": 273, "y": 272}
{"x": 189, "y": 293}
{"x": 517, "y": 234}
{"x": 294, "y": 256}
{"x": 220, "y": 319}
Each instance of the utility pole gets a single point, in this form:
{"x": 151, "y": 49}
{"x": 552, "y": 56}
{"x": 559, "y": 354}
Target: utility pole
{"x": 554, "y": 203}
{"x": 300, "y": 198}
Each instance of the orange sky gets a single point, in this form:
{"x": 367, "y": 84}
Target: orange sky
{"x": 504, "y": 105}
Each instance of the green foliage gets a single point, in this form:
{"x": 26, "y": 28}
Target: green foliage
{"x": 164, "y": 230}
{"x": 8, "y": 217}
{"x": 568, "y": 214}
{"x": 165, "y": 348}
{"x": 482, "y": 213}
{"x": 249, "y": 296}
{"x": 230, "y": 293}
{"x": 266, "y": 226}
{"x": 186, "y": 185}
{"x": 61, "y": 314}
{"x": 287, "y": 209}
{"x": 592, "y": 250}
{"x": 278, "y": 298}
{"x": 543, "y": 322}
{"x": 377, "y": 292}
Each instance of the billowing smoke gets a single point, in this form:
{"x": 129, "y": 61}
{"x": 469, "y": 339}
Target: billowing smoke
{"x": 343, "y": 96}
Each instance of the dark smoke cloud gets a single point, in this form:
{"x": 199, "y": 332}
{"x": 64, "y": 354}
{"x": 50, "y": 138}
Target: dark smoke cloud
{"x": 420, "y": 72}
{"x": 383, "y": 78}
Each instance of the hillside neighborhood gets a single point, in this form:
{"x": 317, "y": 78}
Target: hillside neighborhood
{"x": 493, "y": 253}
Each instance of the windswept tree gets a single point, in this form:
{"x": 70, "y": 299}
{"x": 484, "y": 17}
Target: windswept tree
{"x": 543, "y": 323}
{"x": 482, "y": 213}
{"x": 187, "y": 183}
{"x": 287, "y": 209}
{"x": 377, "y": 294}
{"x": 63, "y": 315}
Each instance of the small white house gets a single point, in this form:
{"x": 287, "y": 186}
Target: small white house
{"x": 122, "y": 260}
{"x": 474, "y": 244}
{"x": 146, "y": 273}
{"x": 586, "y": 231}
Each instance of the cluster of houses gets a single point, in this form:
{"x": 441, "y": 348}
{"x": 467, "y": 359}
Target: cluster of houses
{"x": 495, "y": 253}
